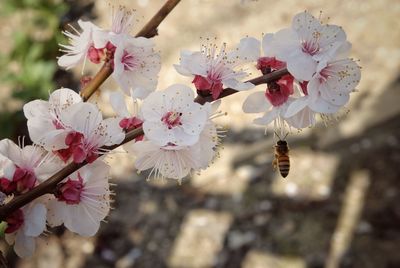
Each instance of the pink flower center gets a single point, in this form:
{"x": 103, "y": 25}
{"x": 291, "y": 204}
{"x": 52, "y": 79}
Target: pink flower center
{"x": 278, "y": 92}
{"x": 310, "y": 47}
{"x": 131, "y": 123}
{"x": 57, "y": 124}
{"x": 7, "y": 186}
{"x": 24, "y": 179}
{"x": 303, "y": 86}
{"x": 70, "y": 191}
{"x": 129, "y": 61}
{"x": 210, "y": 84}
{"x": 172, "y": 119}
{"x": 95, "y": 55}
{"x": 77, "y": 149}
{"x": 269, "y": 64}
{"x": 14, "y": 221}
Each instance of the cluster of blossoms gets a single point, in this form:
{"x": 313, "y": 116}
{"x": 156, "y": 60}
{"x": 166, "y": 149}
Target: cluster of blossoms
{"x": 80, "y": 202}
{"x": 320, "y": 78}
{"x": 178, "y": 135}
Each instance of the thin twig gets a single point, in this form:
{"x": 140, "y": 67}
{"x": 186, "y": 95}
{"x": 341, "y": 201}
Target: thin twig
{"x": 150, "y": 29}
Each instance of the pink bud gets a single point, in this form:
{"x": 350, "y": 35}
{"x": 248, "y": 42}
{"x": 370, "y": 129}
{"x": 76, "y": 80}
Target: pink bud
{"x": 14, "y": 221}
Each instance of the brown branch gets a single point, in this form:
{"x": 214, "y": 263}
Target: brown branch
{"x": 94, "y": 84}
{"x": 148, "y": 31}
{"x": 255, "y": 81}
{"x": 50, "y": 184}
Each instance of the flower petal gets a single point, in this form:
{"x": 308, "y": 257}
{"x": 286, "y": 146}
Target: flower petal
{"x": 256, "y": 103}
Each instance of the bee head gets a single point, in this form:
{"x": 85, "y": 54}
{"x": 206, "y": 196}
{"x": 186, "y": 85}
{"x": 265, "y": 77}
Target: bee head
{"x": 281, "y": 142}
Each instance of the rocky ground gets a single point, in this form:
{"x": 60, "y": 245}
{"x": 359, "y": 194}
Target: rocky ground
{"x": 337, "y": 208}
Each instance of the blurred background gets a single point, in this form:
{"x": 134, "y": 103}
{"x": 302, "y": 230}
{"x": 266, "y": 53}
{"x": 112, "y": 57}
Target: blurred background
{"x": 337, "y": 208}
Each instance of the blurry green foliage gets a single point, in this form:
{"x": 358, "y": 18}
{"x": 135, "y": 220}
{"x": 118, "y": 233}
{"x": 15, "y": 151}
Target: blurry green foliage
{"x": 30, "y": 65}
{"x": 3, "y": 226}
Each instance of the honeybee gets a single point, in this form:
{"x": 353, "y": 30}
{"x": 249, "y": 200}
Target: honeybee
{"x": 282, "y": 161}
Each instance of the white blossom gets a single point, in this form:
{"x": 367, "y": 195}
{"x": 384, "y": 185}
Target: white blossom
{"x": 136, "y": 65}
{"x": 80, "y": 43}
{"x": 213, "y": 70}
{"x": 305, "y": 44}
{"x": 172, "y": 117}
{"x": 82, "y": 200}
{"x": 31, "y": 222}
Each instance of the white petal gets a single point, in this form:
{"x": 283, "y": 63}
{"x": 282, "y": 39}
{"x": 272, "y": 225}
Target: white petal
{"x": 296, "y": 106}
{"x": 141, "y": 93}
{"x": 117, "y": 101}
{"x": 302, "y": 66}
{"x": 83, "y": 117}
{"x": 10, "y": 150}
{"x": 179, "y": 96}
{"x": 266, "y": 45}
{"x": 24, "y": 245}
{"x": 55, "y": 213}
{"x": 305, "y": 25}
{"x": 64, "y": 96}
{"x": 36, "y": 108}
{"x": 331, "y": 34}
{"x": 157, "y": 133}
{"x": 302, "y": 119}
{"x": 70, "y": 61}
{"x": 86, "y": 226}
{"x": 35, "y": 220}
{"x": 115, "y": 134}
{"x": 182, "y": 70}
{"x": 322, "y": 106}
{"x": 235, "y": 84}
{"x": 256, "y": 103}
{"x": 154, "y": 106}
{"x": 267, "y": 118}
{"x": 248, "y": 49}
{"x": 285, "y": 45}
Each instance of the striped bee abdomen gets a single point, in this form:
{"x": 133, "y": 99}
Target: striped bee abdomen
{"x": 283, "y": 165}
